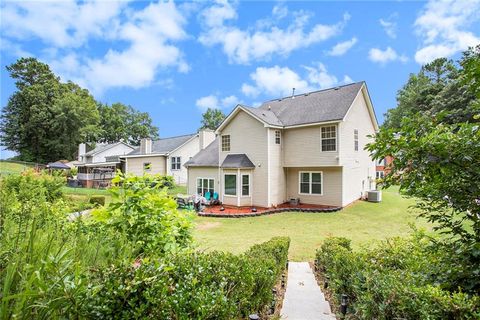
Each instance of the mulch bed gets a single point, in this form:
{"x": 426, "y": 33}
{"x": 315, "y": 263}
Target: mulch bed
{"x": 242, "y": 212}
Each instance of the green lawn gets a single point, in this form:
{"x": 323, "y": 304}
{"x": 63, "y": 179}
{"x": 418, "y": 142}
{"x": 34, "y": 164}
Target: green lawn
{"x": 363, "y": 222}
{"x": 7, "y": 167}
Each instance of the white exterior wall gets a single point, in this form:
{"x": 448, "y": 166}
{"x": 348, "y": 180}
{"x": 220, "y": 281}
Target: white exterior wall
{"x": 303, "y": 148}
{"x": 248, "y": 136}
{"x": 359, "y": 168}
{"x": 331, "y": 187}
{"x": 202, "y": 172}
{"x": 135, "y": 165}
{"x": 118, "y": 150}
{"x": 185, "y": 152}
{"x": 277, "y": 180}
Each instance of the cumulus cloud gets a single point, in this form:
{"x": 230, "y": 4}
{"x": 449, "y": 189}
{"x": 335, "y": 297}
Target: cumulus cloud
{"x": 443, "y": 28}
{"x": 214, "y": 102}
{"x": 385, "y": 56}
{"x": 278, "y": 81}
{"x": 139, "y": 43}
{"x": 341, "y": 48}
{"x": 245, "y": 45}
{"x": 389, "y": 25}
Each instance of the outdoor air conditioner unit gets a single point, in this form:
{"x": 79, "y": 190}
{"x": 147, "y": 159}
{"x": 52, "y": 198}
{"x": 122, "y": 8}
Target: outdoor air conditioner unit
{"x": 374, "y": 196}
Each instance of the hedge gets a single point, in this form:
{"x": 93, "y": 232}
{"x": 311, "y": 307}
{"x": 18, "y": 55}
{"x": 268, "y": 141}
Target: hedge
{"x": 190, "y": 286}
{"x": 398, "y": 279}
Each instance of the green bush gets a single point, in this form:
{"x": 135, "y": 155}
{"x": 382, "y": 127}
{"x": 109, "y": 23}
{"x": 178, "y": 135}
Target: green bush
{"x": 49, "y": 185}
{"x": 97, "y": 200}
{"x": 190, "y": 286}
{"x": 398, "y": 279}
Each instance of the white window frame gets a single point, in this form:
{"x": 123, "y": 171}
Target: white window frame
{"x": 177, "y": 162}
{"x": 236, "y": 185}
{"x": 321, "y": 138}
{"x": 355, "y": 140}
{"x": 208, "y": 188}
{"x": 224, "y": 143}
{"x": 148, "y": 165}
{"x": 380, "y": 175}
{"x": 242, "y": 185}
{"x": 278, "y": 137}
{"x": 310, "y": 183}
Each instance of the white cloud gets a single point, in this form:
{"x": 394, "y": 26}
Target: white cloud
{"x": 278, "y": 81}
{"x": 390, "y": 25}
{"x": 280, "y": 11}
{"x": 385, "y": 56}
{"x": 243, "y": 46}
{"x": 443, "y": 25}
{"x": 140, "y": 43}
{"x": 214, "y": 102}
{"x": 341, "y": 48}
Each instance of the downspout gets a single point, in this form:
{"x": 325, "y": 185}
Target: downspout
{"x": 268, "y": 167}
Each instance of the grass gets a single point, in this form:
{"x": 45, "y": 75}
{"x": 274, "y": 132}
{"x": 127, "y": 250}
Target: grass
{"x": 362, "y": 222}
{"x": 7, "y": 167}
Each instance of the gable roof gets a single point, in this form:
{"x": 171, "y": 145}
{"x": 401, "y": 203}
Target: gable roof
{"x": 302, "y": 109}
{"x": 100, "y": 147}
{"x": 207, "y": 157}
{"x": 236, "y": 161}
{"x": 166, "y": 145}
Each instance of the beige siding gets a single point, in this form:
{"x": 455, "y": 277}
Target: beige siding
{"x": 201, "y": 172}
{"x": 303, "y": 148}
{"x": 359, "y": 168}
{"x": 249, "y": 136}
{"x": 135, "y": 165}
{"x": 277, "y": 179}
{"x": 332, "y": 186}
{"x": 188, "y": 150}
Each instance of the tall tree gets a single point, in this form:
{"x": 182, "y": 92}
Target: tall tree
{"x": 45, "y": 119}
{"x": 122, "y": 122}
{"x": 212, "y": 118}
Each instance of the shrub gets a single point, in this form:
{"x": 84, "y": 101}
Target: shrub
{"x": 49, "y": 185}
{"x": 97, "y": 200}
{"x": 398, "y": 279}
{"x": 190, "y": 285}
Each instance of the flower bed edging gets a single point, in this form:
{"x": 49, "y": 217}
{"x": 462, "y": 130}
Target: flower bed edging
{"x": 267, "y": 212}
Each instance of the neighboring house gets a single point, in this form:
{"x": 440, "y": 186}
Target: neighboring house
{"x": 167, "y": 156}
{"x": 98, "y": 166}
{"x": 383, "y": 167}
{"x": 308, "y": 147}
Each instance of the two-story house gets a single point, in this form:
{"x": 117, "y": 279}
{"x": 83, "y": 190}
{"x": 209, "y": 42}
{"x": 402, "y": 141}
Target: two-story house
{"x": 308, "y": 146}
{"x": 167, "y": 156}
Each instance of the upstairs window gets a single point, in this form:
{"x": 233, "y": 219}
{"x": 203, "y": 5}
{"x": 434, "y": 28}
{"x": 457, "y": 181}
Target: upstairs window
{"x": 176, "y": 163}
{"x": 277, "y": 137}
{"x": 329, "y": 138}
{"x": 355, "y": 139}
{"x": 226, "y": 142}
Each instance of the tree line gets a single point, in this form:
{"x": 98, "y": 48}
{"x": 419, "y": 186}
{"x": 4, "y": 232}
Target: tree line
{"x": 45, "y": 119}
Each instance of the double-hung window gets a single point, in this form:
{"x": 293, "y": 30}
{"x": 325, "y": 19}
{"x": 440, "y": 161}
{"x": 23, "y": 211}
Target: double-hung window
{"x": 329, "y": 138}
{"x": 176, "y": 163}
{"x": 277, "y": 136}
{"x": 147, "y": 166}
{"x": 310, "y": 183}
{"x": 226, "y": 142}
{"x": 205, "y": 185}
{"x": 355, "y": 139}
{"x": 245, "y": 185}
{"x": 230, "y": 185}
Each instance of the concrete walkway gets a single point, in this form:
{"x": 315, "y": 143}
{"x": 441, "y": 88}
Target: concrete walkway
{"x": 303, "y": 298}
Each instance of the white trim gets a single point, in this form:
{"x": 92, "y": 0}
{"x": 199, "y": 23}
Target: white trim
{"x": 268, "y": 168}
{"x": 336, "y": 138}
{"x": 236, "y": 184}
{"x": 239, "y": 190}
{"x": 368, "y": 100}
{"x": 249, "y": 185}
{"x": 310, "y": 183}
{"x": 145, "y": 155}
{"x": 322, "y": 123}
{"x": 205, "y": 178}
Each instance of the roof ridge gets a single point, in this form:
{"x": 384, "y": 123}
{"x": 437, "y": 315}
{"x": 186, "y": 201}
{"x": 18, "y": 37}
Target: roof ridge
{"x": 310, "y": 92}
{"x": 183, "y": 135}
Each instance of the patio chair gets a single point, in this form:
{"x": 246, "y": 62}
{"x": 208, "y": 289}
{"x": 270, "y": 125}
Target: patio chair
{"x": 208, "y": 196}
{"x": 214, "y": 199}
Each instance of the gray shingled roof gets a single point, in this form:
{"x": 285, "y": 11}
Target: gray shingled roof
{"x": 207, "y": 157}
{"x": 100, "y": 147}
{"x": 165, "y": 145}
{"x": 266, "y": 115}
{"x": 318, "y": 106}
{"x": 237, "y": 161}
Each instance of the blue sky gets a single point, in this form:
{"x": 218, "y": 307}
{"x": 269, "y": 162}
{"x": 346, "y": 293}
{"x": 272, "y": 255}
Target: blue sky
{"x": 173, "y": 60}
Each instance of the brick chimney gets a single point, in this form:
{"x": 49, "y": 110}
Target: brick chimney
{"x": 206, "y": 136}
{"x": 146, "y": 146}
